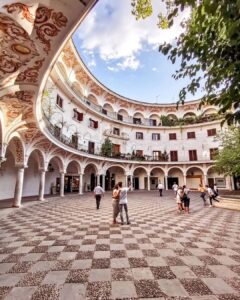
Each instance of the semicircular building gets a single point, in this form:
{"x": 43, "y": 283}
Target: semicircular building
{"x": 62, "y": 131}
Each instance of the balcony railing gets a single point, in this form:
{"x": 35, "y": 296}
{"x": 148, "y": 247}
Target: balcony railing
{"x": 165, "y": 121}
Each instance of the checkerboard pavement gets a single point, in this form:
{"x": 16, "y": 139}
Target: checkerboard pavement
{"x": 66, "y": 249}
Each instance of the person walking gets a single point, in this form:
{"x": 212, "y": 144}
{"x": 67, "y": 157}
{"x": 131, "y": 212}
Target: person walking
{"x": 98, "y": 193}
{"x": 115, "y": 202}
{"x": 160, "y": 188}
{"x": 210, "y": 194}
{"x": 202, "y": 191}
{"x": 215, "y": 191}
{"x": 123, "y": 202}
{"x": 186, "y": 199}
{"x": 175, "y": 187}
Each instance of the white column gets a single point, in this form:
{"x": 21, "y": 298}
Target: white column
{"x": 18, "y": 187}
{"x": 229, "y": 183}
{"x": 42, "y": 185}
{"x": 98, "y": 179}
{"x": 185, "y": 179}
{"x": 205, "y": 179}
{"x": 166, "y": 183}
{"x": 62, "y": 175}
{"x": 126, "y": 180}
{"x": 103, "y": 182}
{"x": 148, "y": 183}
{"x": 80, "y": 192}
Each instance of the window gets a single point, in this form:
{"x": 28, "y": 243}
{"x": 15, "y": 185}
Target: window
{"x": 59, "y": 101}
{"x": 104, "y": 111}
{"x": 115, "y": 149}
{"x": 156, "y": 155}
{"x": 213, "y": 153}
{"x": 139, "y": 153}
{"x": 172, "y": 136}
{"x": 91, "y": 147}
{"x": 212, "y": 132}
{"x": 137, "y": 121}
{"x": 93, "y": 124}
{"x": 192, "y": 155}
{"x": 139, "y": 135}
{"x": 116, "y": 131}
{"x": 77, "y": 115}
{"x": 75, "y": 141}
{"x": 191, "y": 135}
{"x": 174, "y": 155}
{"x": 152, "y": 122}
{"x": 119, "y": 117}
{"x": 156, "y": 136}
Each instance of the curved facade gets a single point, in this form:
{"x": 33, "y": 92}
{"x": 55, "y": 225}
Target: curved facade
{"x": 54, "y": 120}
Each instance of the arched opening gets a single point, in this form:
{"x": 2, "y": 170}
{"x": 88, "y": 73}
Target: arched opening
{"x": 108, "y": 107}
{"x": 32, "y": 174}
{"x": 156, "y": 177}
{"x": 138, "y": 118}
{"x": 12, "y": 172}
{"x": 122, "y": 115}
{"x": 154, "y": 120}
{"x": 113, "y": 175}
{"x": 210, "y": 111}
{"x": 53, "y": 176}
{"x": 92, "y": 99}
{"x": 89, "y": 177}
{"x": 172, "y": 117}
{"x": 140, "y": 178}
{"x": 189, "y": 115}
{"x": 214, "y": 177}
{"x": 175, "y": 175}
{"x": 194, "y": 177}
{"x": 72, "y": 177}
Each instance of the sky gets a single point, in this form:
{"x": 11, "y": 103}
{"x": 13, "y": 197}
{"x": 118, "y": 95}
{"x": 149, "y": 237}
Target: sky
{"x": 122, "y": 53}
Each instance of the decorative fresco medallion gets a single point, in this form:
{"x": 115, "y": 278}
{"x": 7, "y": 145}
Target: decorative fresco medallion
{"x": 19, "y": 48}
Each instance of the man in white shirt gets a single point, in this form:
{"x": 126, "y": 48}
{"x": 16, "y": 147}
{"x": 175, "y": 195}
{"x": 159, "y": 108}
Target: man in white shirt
{"x": 175, "y": 188}
{"x": 210, "y": 194}
{"x": 160, "y": 188}
{"x": 98, "y": 193}
{"x": 123, "y": 202}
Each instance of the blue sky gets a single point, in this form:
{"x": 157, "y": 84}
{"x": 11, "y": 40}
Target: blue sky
{"x": 122, "y": 53}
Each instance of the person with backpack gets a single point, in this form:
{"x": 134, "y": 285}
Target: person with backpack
{"x": 186, "y": 199}
{"x": 210, "y": 195}
{"x": 202, "y": 191}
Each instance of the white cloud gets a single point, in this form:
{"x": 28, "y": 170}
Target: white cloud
{"x": 112, "y": 31}
{"x": 154, "y": 69}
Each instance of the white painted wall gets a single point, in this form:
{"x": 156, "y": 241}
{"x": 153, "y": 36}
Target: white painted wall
{"x": 31, "y": 179}
{"x": 7, "y": 178}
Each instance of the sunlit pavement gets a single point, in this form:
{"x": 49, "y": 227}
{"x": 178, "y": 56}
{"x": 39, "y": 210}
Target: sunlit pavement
{"x": 66, "y": 249}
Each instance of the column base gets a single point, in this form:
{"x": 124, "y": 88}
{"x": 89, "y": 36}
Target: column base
{"x": 80, "y": 193}
{"x": 16, "y": 206}
{"x": 41, "y": 199}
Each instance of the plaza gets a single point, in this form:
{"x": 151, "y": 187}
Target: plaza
{"x": 63, "y": 248}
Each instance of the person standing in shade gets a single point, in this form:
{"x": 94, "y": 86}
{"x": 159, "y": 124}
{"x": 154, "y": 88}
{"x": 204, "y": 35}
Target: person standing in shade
{"x": 98, "y": 193}
{"x": 175, "y": 188}
{"x": 186, "y": 199}
{"x": 160, "y": 188}
{"x": 202, "y": 191}
{"x": 115, "y": 202}
{"x": 123, "y": 202}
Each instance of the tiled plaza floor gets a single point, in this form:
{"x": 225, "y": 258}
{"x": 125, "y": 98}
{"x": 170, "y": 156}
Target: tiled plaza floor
{"x": 66, "y": 249}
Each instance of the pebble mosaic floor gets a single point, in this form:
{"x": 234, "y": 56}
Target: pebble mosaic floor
{"x": 66, "y": 249}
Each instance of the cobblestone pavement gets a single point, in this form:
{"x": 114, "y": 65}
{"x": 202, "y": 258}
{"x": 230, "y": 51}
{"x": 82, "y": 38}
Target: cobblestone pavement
{"x": 66, "y": 249}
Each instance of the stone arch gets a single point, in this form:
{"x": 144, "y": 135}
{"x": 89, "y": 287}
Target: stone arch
{"x": 39, "y": 156}
{"x": 73, "y": 166}
{"x": 123, "y": 112}
{"x": 157, "y": 175}
{"x": 114, "y": 173}
{"x": 140, "y": 177}
{"x": 210, "y": 111}
{"x": 93, "y": 99}
{"x": 53, "y": 175}
{"x": 175, "y": 174}
{"x": 58, "y": 162}
{"x": 172, "y": 117}
{"x": 138, "y": 115}
{"x": 16, "y": 146}
{"x": 194, "y": 177}
{"x": 90, "y": 172}
{"x": 189, "y": 114}
{"x": 108, "y": 107}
